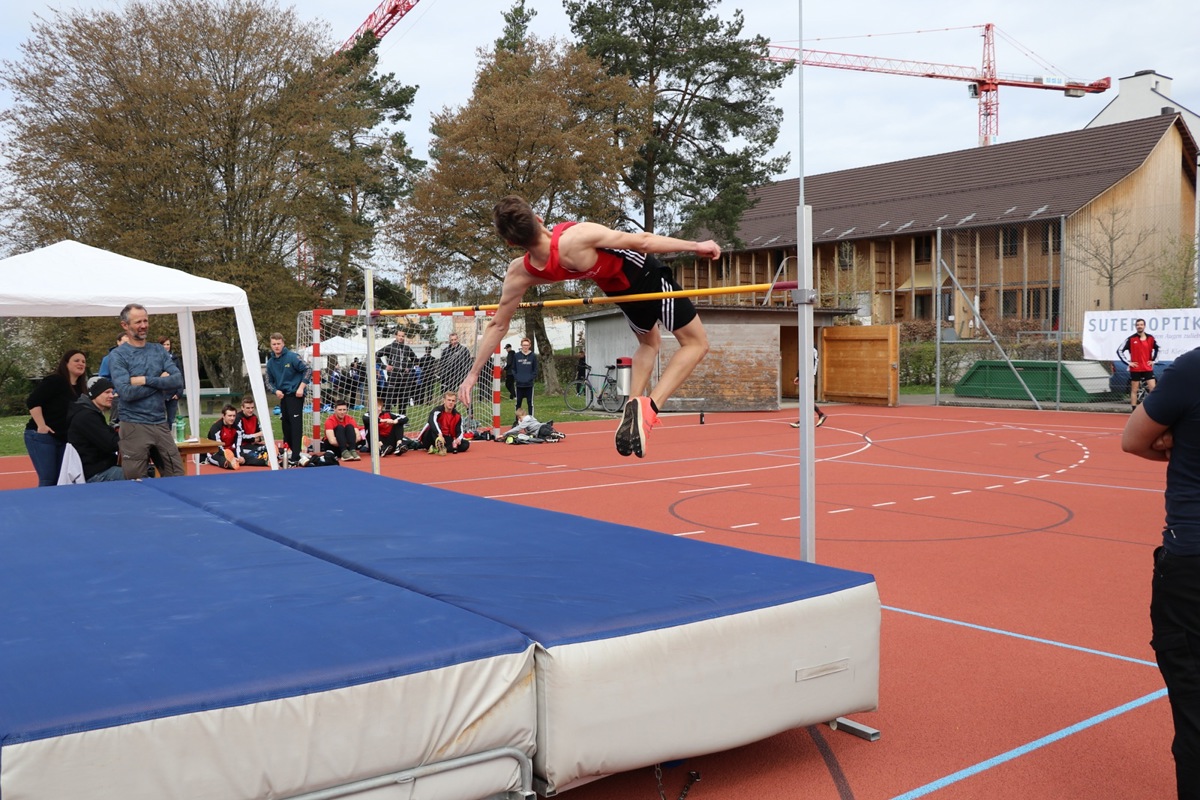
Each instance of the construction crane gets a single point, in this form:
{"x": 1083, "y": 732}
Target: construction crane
{"x": 382, "y": 20}
{"x": 984, "y": 82}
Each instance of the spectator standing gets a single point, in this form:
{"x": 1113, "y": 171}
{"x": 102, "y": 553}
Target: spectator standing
{"x": 525, "y": 372}
{"x": 454, "y": 363}
{"x": 49, "y": 407}
{"x": 510, "y": 371}
{"x": 342, "y": 433}
{"x": 816, "y": 409}
{"x": 398, "y": 360}
{"x": 443, "y": 431}
{"x": 105, "y": 372}
{"x": 96, "y": 442}
{"x": 582, "y": 370}
{"x": 144, "y": 376}
{"x": 427, "y": 367}
{"x": 288, "y": 377}
{"x": 225, "y": 433}
{"x": 173, "y": 400}
{"x": 1143, "y": 351}
{"x": 1166, "y": 427}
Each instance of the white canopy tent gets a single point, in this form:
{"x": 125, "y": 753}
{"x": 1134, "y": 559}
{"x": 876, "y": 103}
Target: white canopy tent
{"x": 70, "y": 279}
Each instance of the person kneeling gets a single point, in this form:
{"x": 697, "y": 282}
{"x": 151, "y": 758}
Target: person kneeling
{"x": 443, "y": 431}
{"x": 342, "y": 433}
{"x": 225, "y": 433}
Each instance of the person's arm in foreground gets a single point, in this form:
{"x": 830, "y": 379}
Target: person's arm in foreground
{"x": 1146, "y": 438}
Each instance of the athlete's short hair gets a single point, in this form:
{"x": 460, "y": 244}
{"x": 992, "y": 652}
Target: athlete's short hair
{"x": 515, "y": 221}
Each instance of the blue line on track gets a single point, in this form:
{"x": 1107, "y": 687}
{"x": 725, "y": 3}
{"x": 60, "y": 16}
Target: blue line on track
{"x": 942, "y": 783}
{"x": 1088, "y": 650}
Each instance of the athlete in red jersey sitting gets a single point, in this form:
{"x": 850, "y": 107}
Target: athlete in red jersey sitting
{"x": 619, "y": 263}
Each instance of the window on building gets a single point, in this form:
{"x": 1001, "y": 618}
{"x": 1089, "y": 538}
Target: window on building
{"x": 1008, "y": 241}
{"x": 1052, "y": 240}
{"x": 922, "y": 307}
{"x": 846, "y": 255}
{"x": 923, "y": 249}
{"x": 1010, "y": 303}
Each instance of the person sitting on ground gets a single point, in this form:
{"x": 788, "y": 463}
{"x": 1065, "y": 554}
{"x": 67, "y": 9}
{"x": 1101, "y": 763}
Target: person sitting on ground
{"x": 252, "y": 444}
{"x": 225, "y": 433}
{"x": 443, "y": 431}
{"x": 342, "y": 433}
{"x": 93, "y": 438}
{"x": 528, "y": 426}
{"x": 391, "y": 430}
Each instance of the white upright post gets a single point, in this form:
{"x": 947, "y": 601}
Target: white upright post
{"x": 372, "y": 378}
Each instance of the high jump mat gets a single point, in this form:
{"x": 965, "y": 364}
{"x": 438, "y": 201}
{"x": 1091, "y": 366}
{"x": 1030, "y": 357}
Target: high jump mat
{"x": 649, "y": 647}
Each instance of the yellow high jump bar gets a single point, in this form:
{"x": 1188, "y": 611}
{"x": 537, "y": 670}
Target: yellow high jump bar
{"x": 595, "y": 301}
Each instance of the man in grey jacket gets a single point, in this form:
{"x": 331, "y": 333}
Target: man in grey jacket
{"x": 144, "y": 376}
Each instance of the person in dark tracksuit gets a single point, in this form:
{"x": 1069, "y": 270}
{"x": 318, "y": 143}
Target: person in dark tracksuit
{"x": 525, "y": 372}
{"x": 288, "y": 376}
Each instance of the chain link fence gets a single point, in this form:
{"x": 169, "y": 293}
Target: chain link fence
{"x": 995, "y": 315}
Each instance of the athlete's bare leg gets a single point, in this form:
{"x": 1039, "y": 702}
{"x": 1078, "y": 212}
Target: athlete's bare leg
{"x": 693, "y": 346}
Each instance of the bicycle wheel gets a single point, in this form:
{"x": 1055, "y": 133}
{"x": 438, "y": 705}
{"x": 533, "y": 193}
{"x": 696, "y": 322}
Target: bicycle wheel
{"x": 578, "y": 395}
{"x": 610, "y": 401}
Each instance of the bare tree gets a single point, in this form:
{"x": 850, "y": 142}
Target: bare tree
{"x": 1114, "y": 250}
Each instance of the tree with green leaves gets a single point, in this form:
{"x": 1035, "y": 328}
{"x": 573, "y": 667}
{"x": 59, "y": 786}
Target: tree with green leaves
{"x": 539, "y": 123}
{"x": 712, "y": 123}
{"x": 1175, "y": 273}
{"x": 367, "y": 172}
{"x": 200, "y": 147}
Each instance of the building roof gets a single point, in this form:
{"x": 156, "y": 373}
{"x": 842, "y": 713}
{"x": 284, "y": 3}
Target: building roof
{"x": 1041, "y": 178}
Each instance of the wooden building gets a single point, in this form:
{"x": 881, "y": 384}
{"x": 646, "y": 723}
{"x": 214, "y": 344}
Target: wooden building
{"x": 1014, "y": 222}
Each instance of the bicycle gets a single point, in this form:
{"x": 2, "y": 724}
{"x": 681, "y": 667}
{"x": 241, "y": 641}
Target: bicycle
{"x": 1143, "y": 390}
{"x": 581, "y": 394}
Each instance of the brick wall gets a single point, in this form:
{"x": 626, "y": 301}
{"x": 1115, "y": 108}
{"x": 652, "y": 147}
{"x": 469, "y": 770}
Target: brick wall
{"x": 740, "y": 372}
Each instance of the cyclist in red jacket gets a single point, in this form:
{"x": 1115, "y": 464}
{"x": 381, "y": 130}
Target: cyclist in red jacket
{"x": 1143, "y": 351}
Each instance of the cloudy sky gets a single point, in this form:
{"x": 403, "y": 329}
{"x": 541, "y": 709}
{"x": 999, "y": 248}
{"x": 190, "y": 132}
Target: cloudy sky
{"x": 850, "y": 119}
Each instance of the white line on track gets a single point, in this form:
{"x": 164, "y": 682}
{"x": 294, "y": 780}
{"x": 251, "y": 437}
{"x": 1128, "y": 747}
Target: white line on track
{"x": 745, "y": 525}
{"x": 888, "y": 503}
{"x": 687, "y": 533}
{"x": 715, "y": 488}
{"x": 964, "y": 491}
{"x": 607, "y": 486}
{"x": 840, "y": 510}
{"x": 926, "y": 497}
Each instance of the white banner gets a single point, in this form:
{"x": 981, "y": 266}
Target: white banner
{"x": 1177, "y": 330}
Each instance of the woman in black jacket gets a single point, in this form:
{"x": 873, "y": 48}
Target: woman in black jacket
{"x": 48, "y": 404}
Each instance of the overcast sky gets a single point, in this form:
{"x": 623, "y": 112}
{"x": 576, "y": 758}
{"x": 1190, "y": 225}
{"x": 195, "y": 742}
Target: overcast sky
{"x": 851, "y": 119}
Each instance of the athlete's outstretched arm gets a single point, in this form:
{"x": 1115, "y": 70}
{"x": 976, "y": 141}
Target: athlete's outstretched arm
{"x": 591, "y": 234}
{"x": 516, "y": 281}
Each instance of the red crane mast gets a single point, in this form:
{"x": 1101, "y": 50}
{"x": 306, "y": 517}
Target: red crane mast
{"x": 984, "y": 81}
{"x": 382, "y": 20}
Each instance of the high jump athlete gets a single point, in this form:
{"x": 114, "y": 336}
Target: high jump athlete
{"x": 620, "y": 264}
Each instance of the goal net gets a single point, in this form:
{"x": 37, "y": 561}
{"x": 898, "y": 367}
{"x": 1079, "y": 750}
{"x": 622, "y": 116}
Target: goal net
{"x": 334, "y": 343}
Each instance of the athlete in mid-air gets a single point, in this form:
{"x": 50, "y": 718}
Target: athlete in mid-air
{"x": 620, "y": 264}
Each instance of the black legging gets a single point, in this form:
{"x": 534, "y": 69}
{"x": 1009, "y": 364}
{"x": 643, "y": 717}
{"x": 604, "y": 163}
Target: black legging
{"x": 525, "y": 394}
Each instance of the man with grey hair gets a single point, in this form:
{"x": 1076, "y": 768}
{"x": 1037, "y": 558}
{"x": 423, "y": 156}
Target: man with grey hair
{"x": 144, "y": 376}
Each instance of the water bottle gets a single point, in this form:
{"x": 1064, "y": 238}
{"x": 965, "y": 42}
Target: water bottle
{"x": 179, "y": 427}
